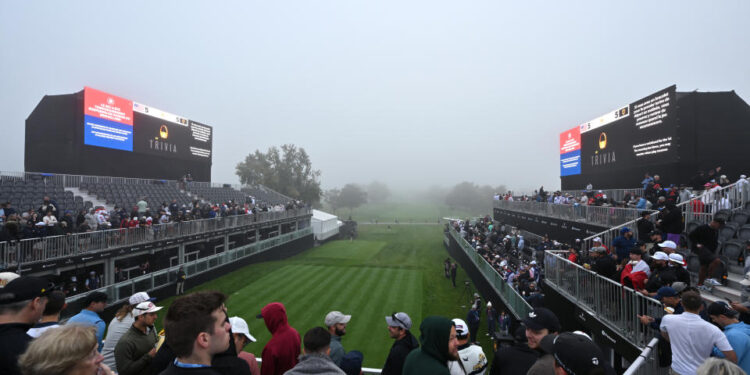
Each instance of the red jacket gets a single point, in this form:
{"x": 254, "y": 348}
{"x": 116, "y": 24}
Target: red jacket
{"x": 637, "y": 279}
{"x": 281, "y": 352}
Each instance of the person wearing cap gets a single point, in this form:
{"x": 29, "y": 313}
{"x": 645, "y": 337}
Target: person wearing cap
{"x": 515, "y": 359}
{"x": 399, "y": 325}
{"x": 22, "y": 303}
{"x": 491, "y": 320}
{"x": 136, "y": 348}
{"x": 120, "y": 324}
{"x": 471, "y": 357}
{"x": 603, "y": 264}
{"x": 691, "y": 338}
{"x": 661, "y": 274}
{"x": 705, "y": 241}
{"x": 737, "y": 333}
{"x": 597, "y": 241}
{"x": 670, "y": 299}
{"x": 51, "y": 316}
{"x": 623, "y": 243}
{"x": 636, "y": 272}
{"x": 539, "y": 323}
{"x": 95, "y": 303}
{"x": 336, "y": 322}
{"x": 316, "y": 359}
{"x": 281, "y": 352}
{"x": 439, "y": 345}
{"x": 351, "y": 364}
{"x": 677, "y": 263}
{"x": 574, "y": 353}
{"x": 241, "y": 337}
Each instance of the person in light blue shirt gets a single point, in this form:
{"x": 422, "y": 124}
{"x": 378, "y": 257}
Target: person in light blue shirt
{"x": 95, "y": 303}
{"x": 737, "y": 333}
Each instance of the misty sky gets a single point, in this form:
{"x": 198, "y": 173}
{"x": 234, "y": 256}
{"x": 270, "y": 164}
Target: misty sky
{"x": 411, "y": 93}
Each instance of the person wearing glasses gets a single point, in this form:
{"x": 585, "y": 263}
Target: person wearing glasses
{"x": 399, "y": 325}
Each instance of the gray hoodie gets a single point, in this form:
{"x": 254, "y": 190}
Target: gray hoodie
{"x": 315, "y": 363}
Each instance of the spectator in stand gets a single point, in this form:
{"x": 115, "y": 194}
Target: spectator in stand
{"x": 636, "y": 272}
{"x": 95, "y": 303}
{"x": 69, "y": 349}
{"x": 471, "y": 358}
{"x": 120, "y": 324}
{"x": 647, "y": 179}
{"x": 623, "y": 244}
{"x": 142, "y": 206}
{"x": 316, "y": 359}
{"x": 691, "y": 338}
{"x": 644, "y": 225}
{"x": 352, "y": 363}
{"x": 399, "y": 325}
{"x": 281, "y": 352}
{"x": 705, "y": 240}
{"x": 51, "y": 316}
{"x": 670, "y": 222}
{"x": 737, "y": 333}
{"x": 196, "y": 329}
{"x": 136, "y": 348}
{"x": 91, "y": 220}
{"x": 539, "y": 323}
{"x": 603, "y": 264}
{"x": 681, "y": 273}
{"x": 439, "y": 345}
{"x": 572, "y": 254}
{"x": 515, "y": 359}
{"x": 49, "y": 219}
{"x": 575, "y": 353}
{"x": 22, "y": 305}
{"x": 47, "y": 206}
{"x": 241, "y": 336}
{"x": 336, "y": 323}
{"x": 661, "y": 274}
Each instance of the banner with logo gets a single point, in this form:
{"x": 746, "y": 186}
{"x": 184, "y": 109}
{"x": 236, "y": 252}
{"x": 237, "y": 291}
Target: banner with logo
{"x": 108, "y": 120}
{"x": 570, "y": 152}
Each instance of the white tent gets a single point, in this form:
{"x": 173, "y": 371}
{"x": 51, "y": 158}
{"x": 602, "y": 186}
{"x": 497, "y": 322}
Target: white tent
{"x": 324, "y": 225}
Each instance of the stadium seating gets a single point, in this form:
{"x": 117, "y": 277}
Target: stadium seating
{"x": 217, "y": 195}
{"x": 128, "y": 195}
{"x": 28, "y": 193}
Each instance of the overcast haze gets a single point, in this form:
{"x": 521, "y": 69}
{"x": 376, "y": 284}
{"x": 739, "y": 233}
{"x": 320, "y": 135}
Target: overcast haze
{"x": 408, "y": 93}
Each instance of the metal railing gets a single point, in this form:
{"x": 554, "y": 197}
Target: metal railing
{"x": 121, "y": 291}
{"x": 597, "y": 215}
{"x": 511, "y": 298}
{"x": 613, "y": 304}
{"x": 647, "y": 363}
{"x": 616, "y": 194}
{"x": 698, "y": 210}
{"x": 53, "y": 247}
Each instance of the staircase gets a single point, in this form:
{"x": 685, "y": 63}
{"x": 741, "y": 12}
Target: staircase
{"x": 93, "y": 199}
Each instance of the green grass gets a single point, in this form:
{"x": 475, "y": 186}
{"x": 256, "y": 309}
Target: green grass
{"x": 381, "y": 272}
{"x": 405, "y": 212}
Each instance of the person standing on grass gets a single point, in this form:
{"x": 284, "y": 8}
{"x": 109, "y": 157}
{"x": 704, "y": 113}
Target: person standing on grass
{"x": 336, "y": 323}
{"x": 399, "y": 325}
{"x": 282, "y": 351}
{"x": 181, "y": 276}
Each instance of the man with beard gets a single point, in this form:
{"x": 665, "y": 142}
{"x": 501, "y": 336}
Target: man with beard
{"x": 439, "y": 345}
{"x": 399, "y": 325}
{"x": 602, "y": 263}
{"x": 135, "y": 350}
{"x": 336, "y": 323}
{"x": 661, "y": 274}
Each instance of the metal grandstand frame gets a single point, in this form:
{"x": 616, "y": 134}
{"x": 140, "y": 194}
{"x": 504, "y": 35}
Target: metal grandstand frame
{"x": 598, "y": 215}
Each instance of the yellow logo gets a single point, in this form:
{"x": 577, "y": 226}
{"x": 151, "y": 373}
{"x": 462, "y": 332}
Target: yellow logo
{"x": 602, "y": 141}
{"x": 164, "y": 132}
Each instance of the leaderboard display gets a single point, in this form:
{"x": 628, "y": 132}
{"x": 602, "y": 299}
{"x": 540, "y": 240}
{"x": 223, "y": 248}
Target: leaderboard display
{"x": 117, "y": 123}
{"x": 637, "y": 134}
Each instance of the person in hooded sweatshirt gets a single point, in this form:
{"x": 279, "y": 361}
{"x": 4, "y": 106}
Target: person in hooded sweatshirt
{"x": 316, "y": 359}
{"x": 439, "y": 345}
{"x": 281, "y": 352}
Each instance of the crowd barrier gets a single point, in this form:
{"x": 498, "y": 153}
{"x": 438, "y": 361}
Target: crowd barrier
{"x": 53, "y": 247}
{"x": 597, "y": 215}
{"x": 698, "y": 210}
{"x": 510, "y": 297}
{"x": 613, "y": 304}
{"x": 616, "y": 194}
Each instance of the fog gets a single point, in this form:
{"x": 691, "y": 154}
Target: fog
{"x": 412, "y": 94}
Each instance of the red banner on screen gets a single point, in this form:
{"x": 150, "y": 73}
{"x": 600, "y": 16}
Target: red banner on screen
{"x": 107, "y": 106}
{"x": 570, "y": 140}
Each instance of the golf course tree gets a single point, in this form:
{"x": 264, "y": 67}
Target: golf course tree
{"x": 331, "y": 197}
{"x": 377, "y": 192}
{"x": 351, "y": 197}
{"x": 470, "y": 196}
{"x": 287, "y": 170}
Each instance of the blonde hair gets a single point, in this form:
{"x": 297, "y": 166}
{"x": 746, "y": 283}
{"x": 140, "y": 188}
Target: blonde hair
{"x": 124, "y": 311}
{"x": 718, "y": 366}
{"x": 58, "y": 350}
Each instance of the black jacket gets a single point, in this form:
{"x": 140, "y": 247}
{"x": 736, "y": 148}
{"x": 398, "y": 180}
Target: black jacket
{"x": 13, "y": 342}
{"x": 400, "y": 349}
{"x": 706, "y": 236}
{"x": 605, "y": 266}
{"x": 516, "y": 359}
{"x": 644, "y": 228}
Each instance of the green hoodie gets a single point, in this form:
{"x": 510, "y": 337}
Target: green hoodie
{"x": 432, "y": 357}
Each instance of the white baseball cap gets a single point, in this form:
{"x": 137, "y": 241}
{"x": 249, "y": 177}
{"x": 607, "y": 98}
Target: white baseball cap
{"x": 335, "y": 317}
{"x": 145, "y": 308}
{"x": 239, "y": 325}
{"x": 461, "y": 328}
{"x": 140, "y": 297}
{"x": 598, "y": 239}
{"x": 660, "y": 255}
{"x": 669, "y": 244}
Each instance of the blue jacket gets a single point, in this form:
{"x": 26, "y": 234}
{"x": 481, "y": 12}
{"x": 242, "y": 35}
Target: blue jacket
{"x": 738, "y": 335}
{"x": 622, "y": 247}
{"x": 90, "y": 318}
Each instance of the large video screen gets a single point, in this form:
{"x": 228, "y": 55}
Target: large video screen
{"x": 638, "y": 134}
{"x": 121, "y": 124}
